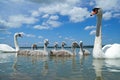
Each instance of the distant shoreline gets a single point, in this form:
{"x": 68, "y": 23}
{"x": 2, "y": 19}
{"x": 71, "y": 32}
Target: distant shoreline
{"x": 59, "y": 47}
{"x": 89, "y": 46}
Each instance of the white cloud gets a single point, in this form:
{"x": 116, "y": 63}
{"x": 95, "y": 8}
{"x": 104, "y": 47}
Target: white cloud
{"x": 45, "y": 16}
{"x": 17, "y": 21}
{"x": 108, "y": 4}
{"x": 28, "y": 35}
{"x": 54, "y": 17}
{"x": 116, "y": 15}
{"x": 52, "y": 23}
{"x": 78, "y": 14}
{"x": 93, "y": 32}
{"x": 110, "y": 7}
{"x": 59, "y": 36}
{"x": 41, "y": 37}
{"x": 107, "y": 15}
{"x": 89, "y": 27}
{"x": 40, "y": 27}
{"x": 67, "y": 8}
{"x": 35, "y": 13}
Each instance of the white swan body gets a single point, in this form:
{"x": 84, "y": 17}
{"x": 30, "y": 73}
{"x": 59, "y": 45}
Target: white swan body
{"x": 113, "y": 51}
{"x": 5, "y": 47}
{"x": 109, "y": 51}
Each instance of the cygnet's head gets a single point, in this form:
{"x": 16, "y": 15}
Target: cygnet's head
{"x": 81, "y": 43}
{"x": 75, "y": 44}
{"x": 46, "y": 42}
{"x": 56, "y": 44}
{"x": 63, "y": 43}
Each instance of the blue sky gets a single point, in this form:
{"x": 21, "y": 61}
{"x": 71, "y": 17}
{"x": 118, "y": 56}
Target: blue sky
{"x": 58, "y": 20}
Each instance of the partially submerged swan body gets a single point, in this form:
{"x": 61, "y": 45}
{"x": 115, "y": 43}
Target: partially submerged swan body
{"x": 61, "y": 52}
{"x": 6, "y": 48}
{"x": 108, "y": 51}
{"x": 32, "y": 52}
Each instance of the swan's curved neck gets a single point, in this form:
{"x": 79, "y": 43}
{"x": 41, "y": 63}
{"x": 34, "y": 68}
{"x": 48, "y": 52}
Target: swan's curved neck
{"x": 45, "y": 47}
{"x": 16, "y": 43}
{"x": 55, "y": 48}
{"x": 74, "y": 50}
{"x": 97, "y": 50}
{"x": 81, "y": 50}
{"x": 62, "y": 47}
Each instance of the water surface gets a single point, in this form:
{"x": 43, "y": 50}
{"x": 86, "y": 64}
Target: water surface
{"x": 58, "y": 68}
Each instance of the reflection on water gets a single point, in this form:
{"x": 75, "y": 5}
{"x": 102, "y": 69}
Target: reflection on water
{"x": 57, "y": 68}
{"x": 97, "y": 64}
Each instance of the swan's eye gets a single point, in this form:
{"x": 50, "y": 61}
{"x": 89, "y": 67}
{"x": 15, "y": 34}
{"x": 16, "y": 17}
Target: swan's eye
{"x": 95, "y": 10}
{"x": 20, "y": 35}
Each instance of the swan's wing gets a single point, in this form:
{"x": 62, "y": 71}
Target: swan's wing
{"x": 104, "y": 49}
{"x": 5, "y": 47}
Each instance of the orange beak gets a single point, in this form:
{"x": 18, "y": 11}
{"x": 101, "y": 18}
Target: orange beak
{"x": 93, "y": 13}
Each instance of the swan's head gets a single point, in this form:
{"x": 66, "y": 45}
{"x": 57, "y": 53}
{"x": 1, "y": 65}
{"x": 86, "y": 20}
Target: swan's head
{"x": 63, "y": 43}
{"x": 96, "y": 11}
{"x": 81, "y": 43}
{"x": 46, "y": 42}
{"x": 20, "y": 34}
{"x": 75, "y": 44}
{"x": 56, "y": 44}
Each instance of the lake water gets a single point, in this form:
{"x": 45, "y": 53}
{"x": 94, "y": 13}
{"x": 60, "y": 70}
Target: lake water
{"x": 58, "y": 68}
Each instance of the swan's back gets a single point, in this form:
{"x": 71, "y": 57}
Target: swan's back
{"x": 104, "y": 49}
{"x": 113, "y": 51}
{"x": 61, "y": 53}
{"x": 5, "y": 47}
{"x": 32, "y": 52}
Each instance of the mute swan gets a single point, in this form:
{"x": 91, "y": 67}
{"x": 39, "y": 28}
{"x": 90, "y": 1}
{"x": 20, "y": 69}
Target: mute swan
{"x": 7, "y": 48}
{"x": 61, "y": 52}
{"x": 83, "y": 51}
{"x": 35, "y": 52}
{"x": 108, "y": 51}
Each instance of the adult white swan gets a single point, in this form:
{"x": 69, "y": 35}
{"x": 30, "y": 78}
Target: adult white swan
{"x": 108, "y": 51}
{"x": 7, "y": 48}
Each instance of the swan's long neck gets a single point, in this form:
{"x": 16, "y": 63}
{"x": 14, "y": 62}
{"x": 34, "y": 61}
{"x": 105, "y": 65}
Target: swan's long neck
{"x": 97, "y": 50}
{"x": 16, "y": 43}
{"x": 55, "y": 48}
{"x": 45, "y": 47}
{"x": 74, "y": 50}
{"x": 81, "y": 50}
